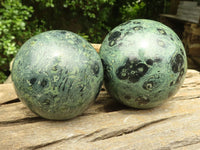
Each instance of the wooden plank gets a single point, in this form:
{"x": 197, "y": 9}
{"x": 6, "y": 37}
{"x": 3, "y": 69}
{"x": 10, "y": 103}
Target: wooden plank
{"x": 7, "y": 92}
{"x": 183, "y": 19}
{"x": 188, "y": 3}
{"x": 182, "y": 13}
{"x": 169, "y": 16}
{"x": 107, "y": 124}
{"x": 195, "y": 9}
{"x": 96, "y": 46}
{"x": 187, "y": 11}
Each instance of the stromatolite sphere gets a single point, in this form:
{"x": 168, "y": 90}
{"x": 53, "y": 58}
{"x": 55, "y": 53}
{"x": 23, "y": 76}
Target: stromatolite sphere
{"x": 57, "y": 74}
{"x": 144, "y": 63}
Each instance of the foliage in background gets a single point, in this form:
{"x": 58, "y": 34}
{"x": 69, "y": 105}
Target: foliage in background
{"x": 95, "y": 13}
{"x": 132, "y": 10}
{"x": 149, "y": 9}
{"x": 14, "y": 30}
{"x": 12, "y": 23}
{"x": 21, "y": 19}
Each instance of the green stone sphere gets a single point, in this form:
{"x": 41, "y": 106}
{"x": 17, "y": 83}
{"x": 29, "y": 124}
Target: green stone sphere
{"x": 57, "y": 74}
{"x": 144, "y": 63}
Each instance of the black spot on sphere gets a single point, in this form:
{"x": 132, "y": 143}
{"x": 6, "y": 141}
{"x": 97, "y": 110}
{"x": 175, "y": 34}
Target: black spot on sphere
{"x": 122, "y": 73}
{"x": 134, "y": 77}
{"x": 114, "y": 36}
{"x": 158, "y": 60}
{"x": 142, "y": 100}
{"x": 148, "y": 85}
{"x": 179, "y": 59}
{"x": 175, "y": 68}
{"x": 180, "y": 76}
{"x": 63, "y": 32}
{"x": 81, "y": 88}
{"x": 127, "y": 97}
{"x": 127, "y": 33}
{"x": 152, "y": 83}
{"x": 133, "y": 70}
{"x": 162, "y": 31}
{"x": 19, "y": 62}
{"x": 132, "y": 62}
{"x": 125, "y": 23}
{"x": 95, "y": 68}
{"x": 142, "y": 69}
{"x": 161, "y": 43}
{"x": 182, "y": 51}
{"x": 177, "y": 63}
{"x": 33, "y": 80}
{"x": 137, "y": 28}
{"x": 171, "y": 37}
{"x": 34, "y": 40}
{"x": 149, "y": 62}
{"x": 44, "y": 83}
{"x": 112, "y": 43}
{"x": 136, "y": 22}
{"x": 78, "y": 40}
{"x": 46, "y": 102}
{"x": 55, "y": 68}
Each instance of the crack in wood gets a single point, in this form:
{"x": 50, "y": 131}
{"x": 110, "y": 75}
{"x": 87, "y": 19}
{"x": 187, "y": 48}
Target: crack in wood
{"x": 52, "y": 143}
{"x": 10, "y": 102}
{"x": 21, "y": 121}
{"x": 183, "y": 98}
{"x": 128, "y": 130}
{"x": 92, "y": 133}
{"x": 183, "y": 143}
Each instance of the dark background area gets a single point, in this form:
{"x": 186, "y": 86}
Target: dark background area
{"x": 92, "y": 19}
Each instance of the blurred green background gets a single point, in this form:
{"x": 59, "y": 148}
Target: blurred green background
{"x": 92, "y": 19}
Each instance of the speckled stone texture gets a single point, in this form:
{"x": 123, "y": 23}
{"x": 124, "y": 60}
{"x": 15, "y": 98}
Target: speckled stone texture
{"x": 57, "y": 74}
{"x": 144, "y": 63}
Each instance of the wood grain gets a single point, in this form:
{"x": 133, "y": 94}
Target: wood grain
{"x": 106, "y": 124}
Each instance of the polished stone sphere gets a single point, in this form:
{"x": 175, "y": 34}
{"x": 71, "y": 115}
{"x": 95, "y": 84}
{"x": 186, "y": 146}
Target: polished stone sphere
{"x": 57, "y": 74}
{"x": 144, "y": 63}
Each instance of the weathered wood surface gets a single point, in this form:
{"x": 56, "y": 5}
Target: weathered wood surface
{"x": 187, "y": 11}
{"x": 106, "y": 124}
{"x": 96, "y": 46}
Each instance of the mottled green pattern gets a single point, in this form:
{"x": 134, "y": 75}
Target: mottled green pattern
{"x": 57, "y": 74}
{"x": 144, "y": 63}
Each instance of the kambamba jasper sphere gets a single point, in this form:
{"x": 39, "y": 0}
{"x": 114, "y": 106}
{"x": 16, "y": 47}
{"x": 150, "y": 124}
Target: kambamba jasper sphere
{"x": 57, "y": 74}
{"x": 144, "y": 63}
